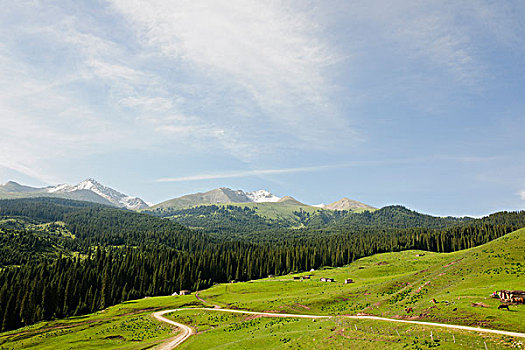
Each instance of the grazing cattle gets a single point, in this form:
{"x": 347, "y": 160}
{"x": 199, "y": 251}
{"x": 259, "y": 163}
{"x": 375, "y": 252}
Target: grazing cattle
{"x": 503, "y": 306}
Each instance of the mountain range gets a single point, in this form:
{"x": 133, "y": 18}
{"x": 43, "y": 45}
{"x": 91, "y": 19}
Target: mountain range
{"x": 225, "y": 195}
{"x": 92, "y": 191}
{"x": 88, "y": 190}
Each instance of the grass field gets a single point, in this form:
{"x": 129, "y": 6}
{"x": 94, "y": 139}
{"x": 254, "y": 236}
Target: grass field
{"x": 385, "y": 285}
{"x": 219, "y": 330}
{"x": 124, "y": 326}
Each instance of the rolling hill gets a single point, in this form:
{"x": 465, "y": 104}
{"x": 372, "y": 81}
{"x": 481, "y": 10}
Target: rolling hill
{"x": 385, "y": 284}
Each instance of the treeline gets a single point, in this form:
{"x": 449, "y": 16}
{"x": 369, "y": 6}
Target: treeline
{"x": 18, "y": 247}
{"x": 227, "y": 221}
{"x": 109, "y": 275}
{"x": 95, "y": 224}
{"x": 230, "y": 220}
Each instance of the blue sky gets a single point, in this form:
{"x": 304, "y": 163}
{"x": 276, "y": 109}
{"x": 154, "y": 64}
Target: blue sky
{"x": 386, "y": 102}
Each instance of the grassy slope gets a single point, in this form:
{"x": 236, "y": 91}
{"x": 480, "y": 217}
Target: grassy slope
{"x": 385, "y": 285}
{"x": 79, "y": 195}
{"x": 282, "y": 212}
{"x": 124, "y": 326}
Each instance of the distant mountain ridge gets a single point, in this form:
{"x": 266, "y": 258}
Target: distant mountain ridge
{"x": 91, "y": 190}
{"x": 88, "y": 190}
{"x": 225, "y": 195}
{"x": 345, "y": 204}
{"x": 219, "y": 196}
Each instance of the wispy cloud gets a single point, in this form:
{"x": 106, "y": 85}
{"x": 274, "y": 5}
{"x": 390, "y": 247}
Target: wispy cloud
{"x": 268, "y": 62}
{"x": 245, "y": 173}
{"x": 361, "y": 163}
{"x": 522, "y": 195}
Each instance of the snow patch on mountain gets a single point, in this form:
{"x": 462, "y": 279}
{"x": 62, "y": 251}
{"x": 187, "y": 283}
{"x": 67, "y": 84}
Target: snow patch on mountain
{"x": 261, "y": 196}
{"x": 113, "y": 196}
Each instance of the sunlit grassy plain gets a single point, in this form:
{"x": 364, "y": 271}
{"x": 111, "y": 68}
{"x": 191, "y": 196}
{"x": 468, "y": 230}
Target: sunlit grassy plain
{"x": 384, "y": 285}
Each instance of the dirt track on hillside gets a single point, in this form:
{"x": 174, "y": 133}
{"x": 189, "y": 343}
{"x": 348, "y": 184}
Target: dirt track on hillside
{"x": 187, "y": 331}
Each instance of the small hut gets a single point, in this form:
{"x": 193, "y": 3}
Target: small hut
{"x": 174, "y": 294}
{"x": 184, "y": 292}
{"x": 511, "y": 296}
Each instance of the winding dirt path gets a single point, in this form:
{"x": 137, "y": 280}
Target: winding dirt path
{"x": 207, "y": 302}
{"x": 187, "y": 331}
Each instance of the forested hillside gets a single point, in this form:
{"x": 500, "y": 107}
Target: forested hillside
{"x": 264, "y": 221}
{"x": 92, "y": 256}
{"x": 94, "y": 224}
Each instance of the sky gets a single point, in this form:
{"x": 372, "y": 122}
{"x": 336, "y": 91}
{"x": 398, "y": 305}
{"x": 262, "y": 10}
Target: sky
{"x": 383, "y": 101}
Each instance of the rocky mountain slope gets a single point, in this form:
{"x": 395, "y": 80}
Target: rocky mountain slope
{"x": 225, "y": 195}
{"x": 88, "y": 190}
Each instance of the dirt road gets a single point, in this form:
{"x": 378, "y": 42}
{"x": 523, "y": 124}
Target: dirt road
{"x": 187, "y": 331}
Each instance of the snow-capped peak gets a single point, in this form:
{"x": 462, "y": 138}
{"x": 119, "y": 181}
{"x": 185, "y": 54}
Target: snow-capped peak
{"x": 113, "y": 196}
{"x": 260, "y": 196}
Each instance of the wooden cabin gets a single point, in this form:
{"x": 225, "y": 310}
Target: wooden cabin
{"x": 325, "y": 279}
{"x": 184, "y": 292}
{"x": 511, "y": 296}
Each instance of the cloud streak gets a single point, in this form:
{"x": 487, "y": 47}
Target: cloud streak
{"x": 267, "y": 61}
{"x": 363, "y": 163}
{"x": 245, "y": 173}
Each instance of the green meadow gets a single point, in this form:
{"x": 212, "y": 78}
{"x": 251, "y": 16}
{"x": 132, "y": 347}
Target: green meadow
{"x": 128, "y": 325}
{"x": 388, "y": 284}
{"x": 450, "y": 288}
{"x": 220, "y": 330}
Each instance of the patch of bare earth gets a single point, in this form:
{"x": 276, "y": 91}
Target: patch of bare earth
{"x": 407, "y": 317}
{"x": 303, "y": 306}
{"x": 424, "y": 285}
{"x": 480, "y": 304}
{"x": 451, "y": 263}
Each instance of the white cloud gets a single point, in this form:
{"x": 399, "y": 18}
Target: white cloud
{"x": 154, "y": 104}
{"x": 244, "y": 77}
{"x": 262, "y": 51}
{"x": 245, "y": 173}
{"x": 113, "y": 71}
{"x": 522, "y": 195}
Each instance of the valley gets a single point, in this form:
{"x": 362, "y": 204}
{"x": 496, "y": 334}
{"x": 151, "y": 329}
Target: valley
{"x": 384, "y": 285}
{"x": 84, "y": 272}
